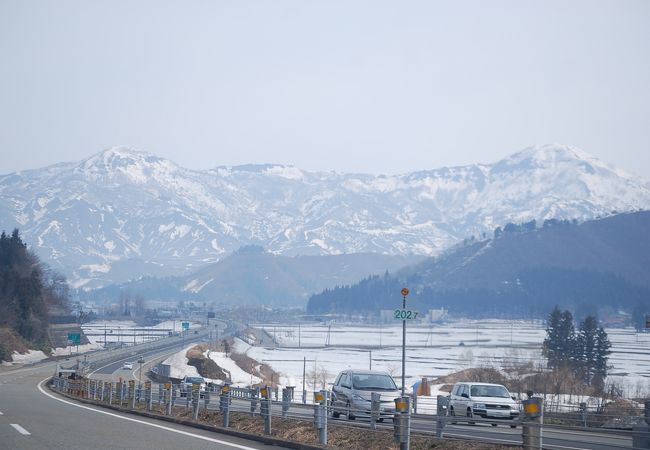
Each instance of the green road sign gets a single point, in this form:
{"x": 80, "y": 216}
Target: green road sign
{"x": 75, "y": 338}
{"x": 186, "y": 326}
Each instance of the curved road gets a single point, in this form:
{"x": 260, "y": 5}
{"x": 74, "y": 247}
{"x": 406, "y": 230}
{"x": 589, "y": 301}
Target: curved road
{"x": 32, "y": 417}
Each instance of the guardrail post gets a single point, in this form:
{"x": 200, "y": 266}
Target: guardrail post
{"x": 206, "y": 398}
{"x": 149, "y": 395}
{"x": 320, "y": 415}
{"x": 266, "y": 408}
{"x": 224, "y": 404}
{"x": 110, "y": 393}
{"x": 168, "y": 393}
{"x": 641, "y": 431}
{"x": 255, "y": 395}
{"x": 375, "y": 401}
{"x": 196, "y": 398}
{"x": 583, "y": 414}
{"x": 174, "y": 394}
{"x": 441, "y": 412}
{"x": 531, "y": 427}
{"x": 121, "y": 384}
{"x": 132, "y": 393}
{"x": 402, "y": 422}
{"x": 86, "y": 393}
{"x": 286, "y": 402}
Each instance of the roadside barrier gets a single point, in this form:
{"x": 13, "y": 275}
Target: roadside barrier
{"x": 405, "y": 424}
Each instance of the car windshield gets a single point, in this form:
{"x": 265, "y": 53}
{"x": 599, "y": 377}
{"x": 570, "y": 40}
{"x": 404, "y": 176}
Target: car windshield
{"x": 373, "y": 381}
{"x": 490, "y": 391}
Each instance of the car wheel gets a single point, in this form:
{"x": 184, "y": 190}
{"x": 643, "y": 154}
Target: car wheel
{"x": 335, "y": 413}
{"x": 470, "y": 415}
{"x": 452, "y": 413}
{"x": 349, "y": 412}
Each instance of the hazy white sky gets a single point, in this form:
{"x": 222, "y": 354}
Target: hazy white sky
{"x": 365, "y": 86}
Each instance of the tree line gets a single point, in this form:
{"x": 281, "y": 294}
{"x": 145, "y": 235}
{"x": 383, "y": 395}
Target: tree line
{"x": 584, "y": 351}
{"x": 29, "y": 290}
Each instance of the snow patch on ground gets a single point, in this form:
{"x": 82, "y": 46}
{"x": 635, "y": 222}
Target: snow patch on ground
{"x": 30, "y": 357}
{"x": 178, "y": 367}
{"x": 238, "y": 376}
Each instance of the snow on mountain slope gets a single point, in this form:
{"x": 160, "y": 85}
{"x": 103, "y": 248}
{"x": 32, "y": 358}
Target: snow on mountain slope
{"x": 123, "y": 213}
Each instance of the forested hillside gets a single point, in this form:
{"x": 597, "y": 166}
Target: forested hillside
{"x": 522, "y": 271}
{"x": 28, "y": 291}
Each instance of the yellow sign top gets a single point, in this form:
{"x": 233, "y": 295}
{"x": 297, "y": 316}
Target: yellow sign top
{"x": 405, "y": 291}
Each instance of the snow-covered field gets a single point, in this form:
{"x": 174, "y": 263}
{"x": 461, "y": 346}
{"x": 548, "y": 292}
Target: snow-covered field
{"x": 433, "y": 350}
{"x": 323, "y": 350}
{"x": 127, "y": 332}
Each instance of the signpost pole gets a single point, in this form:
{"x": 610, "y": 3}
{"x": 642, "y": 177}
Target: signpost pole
{"x": 405, "y": 292}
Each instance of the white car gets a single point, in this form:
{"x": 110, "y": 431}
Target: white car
{"x": 127, "y": 365}
{"x": 352, "y": 394}
{"x": 482, "y": 400}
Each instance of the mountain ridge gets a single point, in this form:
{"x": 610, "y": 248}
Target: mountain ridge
{"x": 129, "y": 208}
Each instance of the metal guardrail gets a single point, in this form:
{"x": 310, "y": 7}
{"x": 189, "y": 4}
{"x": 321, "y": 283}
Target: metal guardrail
{"x": 405, "y": 424}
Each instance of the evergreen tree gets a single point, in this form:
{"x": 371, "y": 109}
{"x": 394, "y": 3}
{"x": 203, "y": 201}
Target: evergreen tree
{"x": 585, "y": 354}
{"x": 559, "y": 345}
{"x": 593, "y": 349}
{"x": 639, "y": 314}
{"x": 603, "y": 346}
{"x": 27, "y": 291}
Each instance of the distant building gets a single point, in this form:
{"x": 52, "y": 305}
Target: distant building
{"x": 437, "y": 315}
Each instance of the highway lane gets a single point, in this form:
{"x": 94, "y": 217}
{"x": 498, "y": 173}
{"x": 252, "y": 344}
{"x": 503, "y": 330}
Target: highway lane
{"x": 34, "y": 418}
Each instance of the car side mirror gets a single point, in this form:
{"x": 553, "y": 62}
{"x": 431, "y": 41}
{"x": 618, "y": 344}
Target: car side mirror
{"x": 513, "y": 397}
{"x": 464, "y": 395}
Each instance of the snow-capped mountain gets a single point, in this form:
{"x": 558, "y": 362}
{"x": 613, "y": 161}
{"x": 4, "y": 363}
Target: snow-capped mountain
{"x": 124, "y": 213}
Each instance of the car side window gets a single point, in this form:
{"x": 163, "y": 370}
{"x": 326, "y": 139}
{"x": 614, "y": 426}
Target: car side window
{"x": 338, "y": 380}
{"x": 464, "y": 389}
{"x": 345, "y": 382}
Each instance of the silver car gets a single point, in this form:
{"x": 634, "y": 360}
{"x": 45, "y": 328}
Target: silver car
{"x": 352, "y": 392}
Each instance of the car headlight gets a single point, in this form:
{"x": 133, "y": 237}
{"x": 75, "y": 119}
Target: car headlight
{"x": 479, "y": 406}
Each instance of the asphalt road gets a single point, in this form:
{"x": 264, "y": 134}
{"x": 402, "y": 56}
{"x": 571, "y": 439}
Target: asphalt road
{"x": 32, "y": 417}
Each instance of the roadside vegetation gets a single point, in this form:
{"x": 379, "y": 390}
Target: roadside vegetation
{"x": 29, "y": 291}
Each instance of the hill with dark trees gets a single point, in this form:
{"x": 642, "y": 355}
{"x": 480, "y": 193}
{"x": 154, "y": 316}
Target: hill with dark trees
{"x": 523, "y": 270}
{"x": 253, "y": 276}
{"x": 29, "y": 291}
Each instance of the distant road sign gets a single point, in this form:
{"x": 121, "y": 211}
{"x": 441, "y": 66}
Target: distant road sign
{"x": 75, "y": 338}
{"x": 405, "y": 291}
{"x": 186, "y": 326}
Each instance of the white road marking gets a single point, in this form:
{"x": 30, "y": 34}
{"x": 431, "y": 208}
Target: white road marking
{"x": 185, "y": 433}
{"x": 20, "y": 429}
